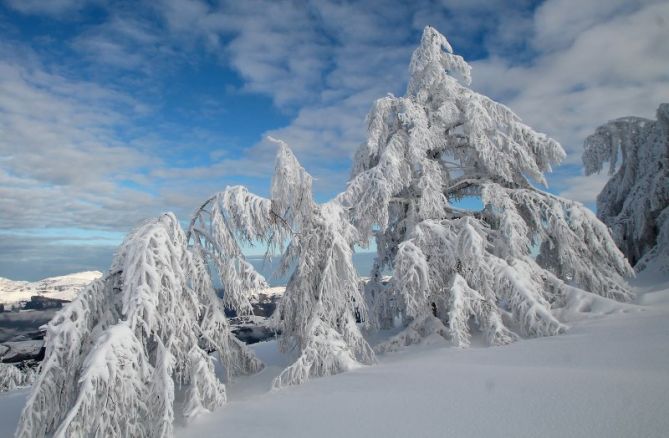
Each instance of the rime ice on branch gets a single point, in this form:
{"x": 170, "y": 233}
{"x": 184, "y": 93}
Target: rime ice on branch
{"x": 635, "y": 201}
{"x": 441, "y": 142}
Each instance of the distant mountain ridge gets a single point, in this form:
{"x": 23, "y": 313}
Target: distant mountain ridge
{"x": 65, "y": 287}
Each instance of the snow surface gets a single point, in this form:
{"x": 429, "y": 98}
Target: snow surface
{"x": 607, "y": 376}
{"x": 65, "y": 287}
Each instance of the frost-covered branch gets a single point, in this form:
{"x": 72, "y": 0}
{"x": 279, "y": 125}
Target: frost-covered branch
{"x": 635, "y": 201}
{"x": 217, "y": 229}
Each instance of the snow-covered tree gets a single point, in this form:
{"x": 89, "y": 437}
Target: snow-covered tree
{"x": 317, "y": 313}
{"x": 635, "y": 201}
{"x": 441, "y": 142}
{"x": 139, "y": 338}
{"x": 12, "y": 376}
{"x": 118, "y": 353}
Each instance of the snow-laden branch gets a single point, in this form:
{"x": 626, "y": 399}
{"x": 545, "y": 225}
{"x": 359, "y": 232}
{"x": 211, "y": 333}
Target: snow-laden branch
{"x": 635, "y": 201}
{"x": 218, "y": 227}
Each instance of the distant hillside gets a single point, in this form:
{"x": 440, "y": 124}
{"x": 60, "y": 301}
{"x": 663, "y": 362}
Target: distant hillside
{"x": 64, "y": 287}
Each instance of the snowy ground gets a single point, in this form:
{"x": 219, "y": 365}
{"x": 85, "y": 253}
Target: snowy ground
{"x": 608, "y": 376}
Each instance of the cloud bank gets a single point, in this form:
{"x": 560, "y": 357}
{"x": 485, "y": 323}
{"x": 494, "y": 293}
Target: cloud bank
{"x": 100, "y": 126}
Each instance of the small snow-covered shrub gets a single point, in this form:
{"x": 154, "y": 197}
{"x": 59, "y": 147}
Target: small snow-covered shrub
{"x": 12, "y": 377}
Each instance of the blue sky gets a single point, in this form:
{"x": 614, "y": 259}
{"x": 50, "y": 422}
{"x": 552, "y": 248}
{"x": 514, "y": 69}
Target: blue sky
{"x": 115, "y": 111}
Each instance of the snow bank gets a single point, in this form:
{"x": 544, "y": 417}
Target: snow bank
{"x": 606, "y": 377}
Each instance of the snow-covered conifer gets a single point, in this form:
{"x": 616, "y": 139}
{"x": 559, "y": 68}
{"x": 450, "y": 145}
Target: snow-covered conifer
{"x": 115, "y": 354}
{"x": 12, "y": 377}
{"x": 317, "y": 314}
{"x": 635, "y": 201}
{"x": 145, "y": 329}
{"x": 441, "y": 142}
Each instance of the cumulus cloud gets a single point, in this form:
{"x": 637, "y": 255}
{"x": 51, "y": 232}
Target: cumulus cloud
{"x": 62, "y": 161}
{"x": 50, "y": 8}
{"x": 583, "y": 188}
{"x": 31, "y": 258}
{"x": 596, "y": 62}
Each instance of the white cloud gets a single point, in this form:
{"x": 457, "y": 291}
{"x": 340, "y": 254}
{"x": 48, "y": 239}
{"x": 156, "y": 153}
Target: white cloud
{"x": 47, "y": 7}
{"x": 565, "y": 68}
{"x": 613, "y": 65}
{"x": 63, "y": 164}
{"x": 584, "y": 188}
{"x": 122, "y": 42}
{"x": 558, "y": 23}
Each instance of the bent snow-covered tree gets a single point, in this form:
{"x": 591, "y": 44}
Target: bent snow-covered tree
{"x": 317, "y": 314}
{"x": 12, "y": 377}
{"x": 117, "y": 355}
{"x": 139, "y": 338}
{"x": 442, "y": 142}
{"x": 635, "y": 201}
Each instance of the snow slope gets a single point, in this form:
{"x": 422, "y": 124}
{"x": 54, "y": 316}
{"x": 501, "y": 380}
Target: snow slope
{"x": 64, "y": 287}
{"x": 606, "y": 377}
